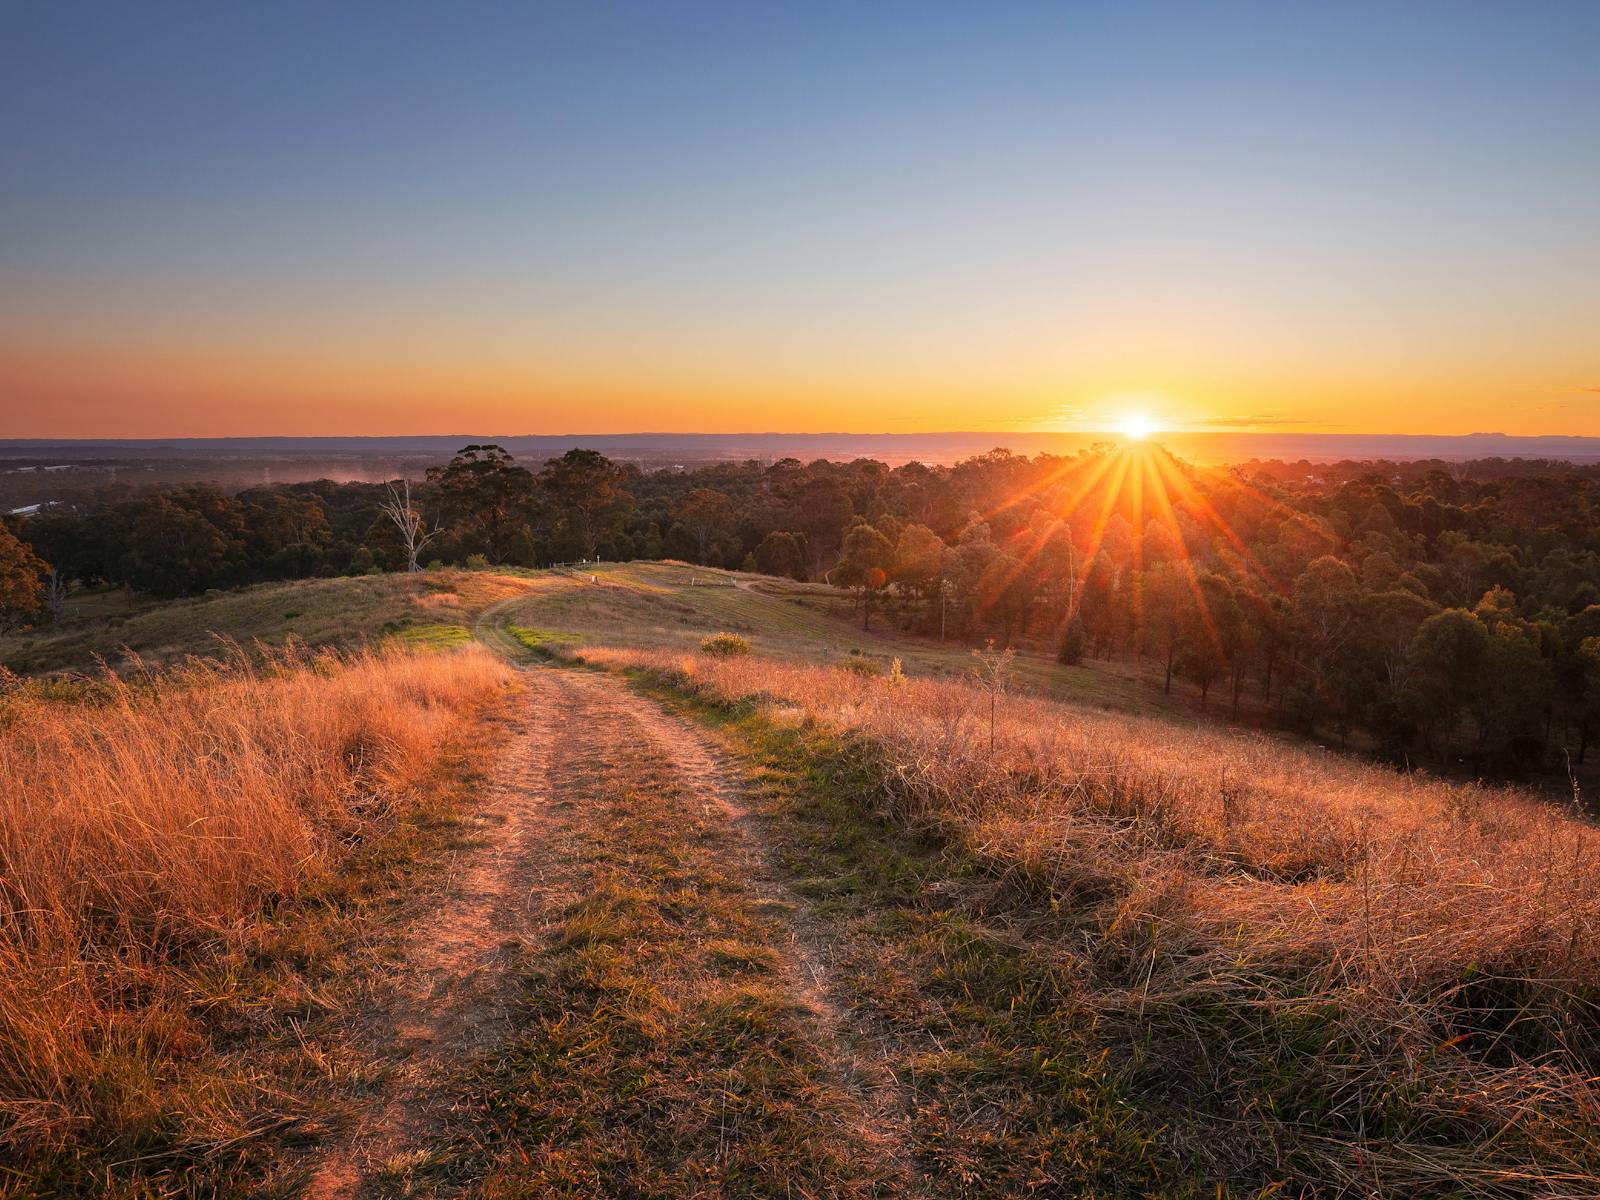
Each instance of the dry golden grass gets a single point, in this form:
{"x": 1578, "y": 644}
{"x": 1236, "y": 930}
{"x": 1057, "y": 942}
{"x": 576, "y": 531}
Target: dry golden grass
{"x": 1386, "y": 981}
{"x": 148, "y": 821}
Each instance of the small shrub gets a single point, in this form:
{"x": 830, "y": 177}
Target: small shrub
{"x": 477, "y": 562}
{"x": 993, "y": 667}
{"x": 724, "y": 645}
{"x": 860, "y": 664}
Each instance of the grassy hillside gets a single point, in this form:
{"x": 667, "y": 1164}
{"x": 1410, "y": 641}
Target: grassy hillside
{"x": 1297, "y": 966}
{"x": 1300, "y": 969}
{"x": 432, "y": 606}
{"x": 158, "y": 838}
{"x": 1064, "y": 938}
{"x": 644, "y": 604}
{"x": 672, "y": 606}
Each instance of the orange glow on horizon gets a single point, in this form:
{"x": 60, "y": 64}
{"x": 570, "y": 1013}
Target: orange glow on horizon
{"x": 53, "y": 387}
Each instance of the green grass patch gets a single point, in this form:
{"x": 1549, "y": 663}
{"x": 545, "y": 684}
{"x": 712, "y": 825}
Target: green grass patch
{"x": 434, "y": 637}
{"x": 547, "y": 640}
{"x": 317, "y": 612}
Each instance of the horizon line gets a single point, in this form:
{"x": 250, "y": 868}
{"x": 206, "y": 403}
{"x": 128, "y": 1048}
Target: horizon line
{"x": 899, "y": 435}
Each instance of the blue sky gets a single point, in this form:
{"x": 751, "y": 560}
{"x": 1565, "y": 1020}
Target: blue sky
{"x": 694, "y": 216}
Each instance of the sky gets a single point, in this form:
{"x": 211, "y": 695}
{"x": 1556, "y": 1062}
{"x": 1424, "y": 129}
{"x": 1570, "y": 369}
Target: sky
{"x": 394, "y": 218}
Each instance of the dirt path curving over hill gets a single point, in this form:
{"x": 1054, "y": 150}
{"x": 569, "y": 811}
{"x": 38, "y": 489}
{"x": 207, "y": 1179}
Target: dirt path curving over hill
{"x": 492, "y": 628}
{"x": 580, "y": 744}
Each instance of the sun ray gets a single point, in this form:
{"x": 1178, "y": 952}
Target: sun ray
{"x": 1097, "y": 533}
{"x": 1143, "y": 483}
{"x": 1176, "y": 481}
{"x": 1185, "y": 559}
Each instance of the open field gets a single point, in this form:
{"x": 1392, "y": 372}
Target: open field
{"x": 654, "y": 604}
{"x": 770, "y": 924}
{"x": 1162, "y": 762}
{"x": 673, "y": 605}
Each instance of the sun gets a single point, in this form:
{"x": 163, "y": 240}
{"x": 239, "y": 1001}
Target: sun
{"x": 1136, "y": 426}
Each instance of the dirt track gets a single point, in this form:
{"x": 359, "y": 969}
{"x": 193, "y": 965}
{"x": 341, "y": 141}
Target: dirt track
{"x": 451, "y": 999}
{"x": 452, "y": 1002}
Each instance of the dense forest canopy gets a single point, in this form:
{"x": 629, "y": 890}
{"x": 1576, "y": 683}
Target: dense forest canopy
{"x": 1432, "y": 609}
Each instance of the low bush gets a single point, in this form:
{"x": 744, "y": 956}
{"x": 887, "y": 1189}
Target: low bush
{"x": 859, "y": 664}
{"x": 725, "y": 645}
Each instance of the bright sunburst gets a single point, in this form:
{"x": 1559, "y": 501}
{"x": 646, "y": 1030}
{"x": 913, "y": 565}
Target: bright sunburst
{"x": 1136, "y": 426}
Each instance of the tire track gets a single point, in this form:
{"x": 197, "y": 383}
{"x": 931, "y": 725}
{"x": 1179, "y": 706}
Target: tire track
{"x": 800, "y": 936}
{"x": 576, "y": 737}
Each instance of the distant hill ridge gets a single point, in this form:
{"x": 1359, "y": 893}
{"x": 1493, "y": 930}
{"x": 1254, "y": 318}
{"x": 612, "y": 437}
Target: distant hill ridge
{"x": 1209, "y": 447}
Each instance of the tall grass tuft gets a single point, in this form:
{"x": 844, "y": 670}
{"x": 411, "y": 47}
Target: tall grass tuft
{"x": 146, "y": 820}
{"x": 1383, "y": 982}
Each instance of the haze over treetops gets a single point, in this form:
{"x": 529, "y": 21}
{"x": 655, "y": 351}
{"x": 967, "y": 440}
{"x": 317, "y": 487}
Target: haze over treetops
{"x": 302, "y": 219}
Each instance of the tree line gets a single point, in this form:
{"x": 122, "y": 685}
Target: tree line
{"x": 1431, "y": 610}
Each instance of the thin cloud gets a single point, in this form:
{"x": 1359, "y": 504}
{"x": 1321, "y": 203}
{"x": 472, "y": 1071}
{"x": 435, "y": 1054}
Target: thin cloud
{"x": 1257, "y": 419}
